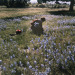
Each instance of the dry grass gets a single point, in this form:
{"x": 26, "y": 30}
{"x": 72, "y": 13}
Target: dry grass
{"x": 15, "y": 12}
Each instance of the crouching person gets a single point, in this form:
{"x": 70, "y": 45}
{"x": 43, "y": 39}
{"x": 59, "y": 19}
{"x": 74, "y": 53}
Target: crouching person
{"x": 36, "y": 26}
{"x": 18, "y": 31}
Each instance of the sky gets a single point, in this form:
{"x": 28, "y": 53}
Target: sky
{"x": 33, "y": 1}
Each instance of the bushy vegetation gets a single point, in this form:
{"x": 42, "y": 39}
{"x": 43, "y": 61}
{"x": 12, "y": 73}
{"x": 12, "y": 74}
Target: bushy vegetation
{"x": 17, "y": 4}
{"x": 51, "y": 53}
{"x": 14, "y": 3}
{"x": 47, "y": 5}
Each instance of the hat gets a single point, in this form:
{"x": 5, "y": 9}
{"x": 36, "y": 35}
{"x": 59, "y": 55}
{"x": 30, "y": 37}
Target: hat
{"x": 43, "y": 19}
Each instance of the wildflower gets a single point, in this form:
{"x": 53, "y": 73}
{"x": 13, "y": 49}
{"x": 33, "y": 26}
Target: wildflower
{"x": 11, "y": 40}
{"x": 15, "y": 63}
{"x": 57, "y": 50}
{"x": 45, "y": 50}
{"x": 24, "y": 69}
{"x": 22, "y": 74}
{"x": 24, "y": 50}
{"x": 30, "y": 67}
{"x": 15, "y": 46}
{"x": 62, "y": 56}
{"x": 26, "y": 57}
{"x": 38, "y": 39}
{"x": 36, "y": 73}
{"x": 21, "y": 65}
{"x": 72, "y": 58}
{"x": 62, "y": 62}
{"x": 69, "y": 52}
{"x": 4, "y": 68}
{"x": 42, "y": 53}
{"x": 11, "y": 65}
{"x": 48, "y": 70}
{"x": 20, "y": 62}
{"x": 33, "y": 57}
{"x": 1, "y": 67}
{"x": 22, "y": 30}
{"x": 46, "y": 60}
{"x": 32, "y": 41}
{"x": 0, "y": 61}
{"x": 18, "y": 49}
{"x": 49, "y": 51}
{"x": 45, "y": 46}
{"x": 17, "y": 20}
{"x": 40, "y": 73}
{"x": 49, "y": 62}
{"x": 42, "y": 65}
{"x": 68, "y": 57}
{"x": 47, "y": 55}
{"x": 54, "y": 56}
{"x": 41, "y": 47}
{"x": 36, "y": 66}
{"x": 65, "y": 61}
{"x": 13, "y": 71}
{"x": 33, "y": 49}
{"x": 11, "y": 57}
{"x": 28, "y": 63}
{"x": 28, "y": 48}
{"x": 58, "y": 61}
{"x": 37, "y": 50}
{"x": 35, "y": 62}
{"x": 33, "y": 69}
{"x": 74, "y": 51}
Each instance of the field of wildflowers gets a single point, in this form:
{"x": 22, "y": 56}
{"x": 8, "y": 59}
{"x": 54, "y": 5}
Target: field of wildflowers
{"x": 51, "y": 53}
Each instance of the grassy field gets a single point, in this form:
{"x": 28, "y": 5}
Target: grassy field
{"x": 18, "y": 12}
{"x": 51, "y": 53}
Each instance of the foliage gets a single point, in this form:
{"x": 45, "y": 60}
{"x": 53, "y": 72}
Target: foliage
{"x": 15, "y": 3}
{"x": 47, "y": 5}
{"x": 72, "y": 5}
{"x": 39, "y": 1}
{"x": 41, "y": 6}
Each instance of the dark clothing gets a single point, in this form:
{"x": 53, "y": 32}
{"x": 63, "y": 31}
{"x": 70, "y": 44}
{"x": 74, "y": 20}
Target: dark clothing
{"x": 37, "y": 26}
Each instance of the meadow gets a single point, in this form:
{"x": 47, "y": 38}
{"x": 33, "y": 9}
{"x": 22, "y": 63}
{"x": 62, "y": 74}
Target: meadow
{"x": 52, "y": 53}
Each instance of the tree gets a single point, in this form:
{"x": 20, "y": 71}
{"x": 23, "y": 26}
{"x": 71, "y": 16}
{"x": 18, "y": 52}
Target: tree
{"x": 42, "y": 1}
{"x": 1, "y": 2}
{"x": 56, "y": 0}
{"x": 16, "y": 3}
{"x": 71, "y": 5}
{"x": 39, "y": 1}
{"x": 5, "y": 2}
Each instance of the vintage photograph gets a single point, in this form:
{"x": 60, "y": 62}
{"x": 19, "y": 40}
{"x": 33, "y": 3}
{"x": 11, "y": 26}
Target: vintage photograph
{"x": 37, "y": 37}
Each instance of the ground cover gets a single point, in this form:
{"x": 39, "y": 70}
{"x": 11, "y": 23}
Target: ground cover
{"x": 51, "y": 53}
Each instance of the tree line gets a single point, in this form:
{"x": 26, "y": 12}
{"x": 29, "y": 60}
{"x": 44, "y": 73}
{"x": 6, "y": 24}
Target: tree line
{"x": 72, "y": 2}
{"x": 44, "y": 1}
{"x": 24, "y": 3}
{"x": 14, "y": 3}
